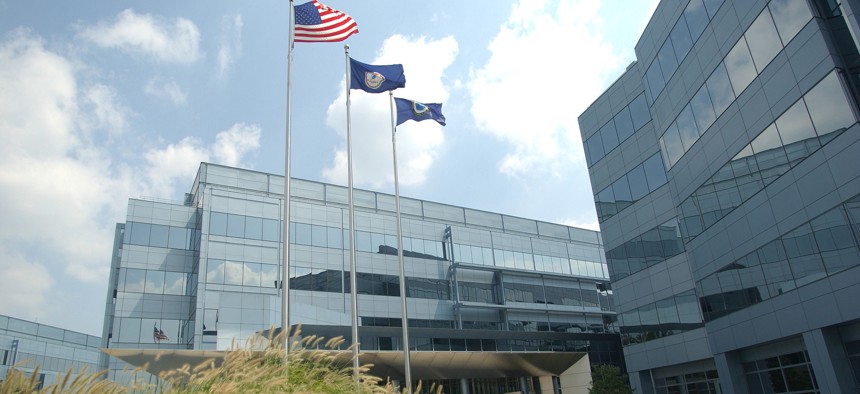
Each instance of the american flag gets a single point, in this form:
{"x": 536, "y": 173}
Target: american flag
{"x": 316, "y": 22}
{"x": 158, "y": 335}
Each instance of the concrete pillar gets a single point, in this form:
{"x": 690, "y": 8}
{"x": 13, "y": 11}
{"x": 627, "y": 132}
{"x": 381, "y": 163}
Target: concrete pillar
{"x": 577, "y": 378}
{"x": 732, "y": 378}
{"x": 464, "y": 386}
{"x": 641, "y": 382}
{"x": 546, "y": 385}
{"x": 829, "y": 361}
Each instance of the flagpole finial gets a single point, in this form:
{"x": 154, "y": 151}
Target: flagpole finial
{"x": 346, "y": 48}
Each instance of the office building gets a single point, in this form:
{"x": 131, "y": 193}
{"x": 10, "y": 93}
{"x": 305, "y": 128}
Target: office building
{"x": 55, "y": 351}
{"x": 203, "y": 273}
{"x": 725, "y": 165}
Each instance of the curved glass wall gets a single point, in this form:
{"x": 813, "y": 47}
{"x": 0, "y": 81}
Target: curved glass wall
{"x": 685, "y": 32}
{"x": 668, "y": 316}
{"x": 807, "y": 125}
{"x": 774, "y": 27}
{"x": 650, "y": 248}
{"x": 826, "y": 245}
{"x": 630, "y": 187}
{"x": 623, "y": 125}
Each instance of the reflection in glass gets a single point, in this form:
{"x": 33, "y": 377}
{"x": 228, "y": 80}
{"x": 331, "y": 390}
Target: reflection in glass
{"x": 154, "y": 282}
{"x": 158, "y": 236}
{"x": 720, "y": 89}
{"x": 671, "y": 141}
{"x": 687, "y": 128}
{"x": 235, "y": 225}
{"x": 703, "y": 109}
{"x": 829, "y": 111}
{"x": 790, "y": 16}
{"x": 794, "y": 125}
{"x": 214, "y": 271}
{"x": 740, "y": 67}
{"x": 639, "y": 112}
{"x": 697, "y": 18}
{"x": 139, "y": 233}
{"x": 668, "y": 62}
{"x": 680, "y": 37}
{"x": 174, "y": 283}
{"x": 763, "y": 40}
{"x": 218, "y": 223}
{"x": 624, "y": 124}
{"x": 134, "y": 280}
{"x": 233, "y": 272}
{"x": 253, "y": 227}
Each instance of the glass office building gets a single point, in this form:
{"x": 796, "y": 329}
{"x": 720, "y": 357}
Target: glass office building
{"x": 55, "y": 350}
{"x": 725, "y": 165}
{"x": 201, "y": 273}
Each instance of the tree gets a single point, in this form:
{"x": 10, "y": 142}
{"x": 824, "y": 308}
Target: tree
{"x": 607, "y": 379}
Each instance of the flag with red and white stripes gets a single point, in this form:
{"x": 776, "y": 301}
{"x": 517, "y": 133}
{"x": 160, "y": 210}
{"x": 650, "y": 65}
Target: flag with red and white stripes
{"x": 316, "y": 22}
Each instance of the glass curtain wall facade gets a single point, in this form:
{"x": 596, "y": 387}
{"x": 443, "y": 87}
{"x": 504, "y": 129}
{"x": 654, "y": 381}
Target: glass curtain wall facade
{"x": 203, "y": 273}
{"x": 55, "y": 350}
{"x": 735, "y": 258}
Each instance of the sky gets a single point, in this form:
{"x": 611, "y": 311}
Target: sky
{"x": 102, "y": 101}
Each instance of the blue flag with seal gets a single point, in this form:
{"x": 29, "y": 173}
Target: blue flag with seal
{"x": 413, "y": 110}
{"x": 376, "y": 79}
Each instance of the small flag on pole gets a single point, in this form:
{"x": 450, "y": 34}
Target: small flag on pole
{"x": 158, "y": 335}
{"x": 376, "y": 79}
{"x": 413, "y": 110}
{"x": 316, "y": 22}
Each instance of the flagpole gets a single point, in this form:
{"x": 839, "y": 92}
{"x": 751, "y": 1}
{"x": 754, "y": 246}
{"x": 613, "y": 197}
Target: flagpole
{"x": 353, "y": 282}
{"x": 285, "y": 233}
{"x": 407, "y": 370}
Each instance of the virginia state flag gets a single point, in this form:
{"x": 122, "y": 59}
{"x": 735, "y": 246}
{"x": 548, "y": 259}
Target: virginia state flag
{"x": 413, "y": 110}
{"x": 376, "y": 79}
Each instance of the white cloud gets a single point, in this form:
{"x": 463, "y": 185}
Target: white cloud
{"x": 26, "y": 286}
{"x": 547, "y": 63}
{"x": 174, "y": 41}
{"x": 424, "y": 63}
{"x": 62, "y": 191}
{"x": 165, "y": 89}
{"x": 176, "y": 164}
{"x": 230, "y": 48}
{"x": 109, "y": 114}
{"x": 231, "y": 145}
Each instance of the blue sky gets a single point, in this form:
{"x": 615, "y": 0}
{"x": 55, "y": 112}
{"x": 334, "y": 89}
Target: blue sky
{"x": 107, "y": 100}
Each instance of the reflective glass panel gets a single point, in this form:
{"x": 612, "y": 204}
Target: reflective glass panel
{"x": 174, "y": 283}
{"x": 235, "y": 225}
{"x": 135, "y": 280}
{"x": 621, "y": 189}
{"x": 829, "y": 111}
{"x": 655, "y": 80}
{"x": 697, "y": 18}
{"x": 218, "y": 223}
{"x": 252, "y": 274}
{"x": 638, "y": 183}
{"x": 302, "y": 233}
{"x": 139, "y": 233}
{"x": 712, "y": 6}
{"x": 215, "y": 271}
{"x": 233, "y": 272}
{"x": 763, "y": 40}
{"x": 253, "y": 227}
{"x": 767, "y": 140}
{"x": 654, "y": 172}
{"x": 740, "y": 66}
{"x": 790, "y": 16}
{"x": 672, "y": 142}
{"x": 595, "y": 147}
{"x": 271, "y": 230}
{"x": 668, "y": 62}
{"x": 794, "y": 125}
{"x": 154, "y": 282}
{"x": 639, "y": 112}
{"x": 703, "y": 109}
{"x": 681, "y": 40}
{"x": 687, "y": 128}
{"x": 623, "y": 124}
{"x": 158, "y": 236}
{"x": 720, "y": 89}
{"x": 610, "y": 138}
{"x": 178, "y": 238}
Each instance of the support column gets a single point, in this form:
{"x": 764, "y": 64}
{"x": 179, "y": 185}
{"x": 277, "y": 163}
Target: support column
{"x": 464, "y": 386}
{"x": 731, "y": 373}
{"x": 641, "y": 382}
{"x": 829, "y": 361}
{"x": 577, "y": 378}
{"x": 546, "y": 385}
